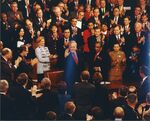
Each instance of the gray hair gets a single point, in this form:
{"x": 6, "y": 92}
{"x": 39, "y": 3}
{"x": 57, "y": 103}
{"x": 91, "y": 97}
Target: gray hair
{"x": 4, "y": 85}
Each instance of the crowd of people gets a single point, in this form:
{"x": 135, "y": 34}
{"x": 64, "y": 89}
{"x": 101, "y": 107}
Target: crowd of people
{"x": 91, "y": 41}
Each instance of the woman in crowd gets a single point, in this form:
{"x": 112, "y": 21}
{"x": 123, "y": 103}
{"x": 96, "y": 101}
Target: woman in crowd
{"x": 118, "y": 61}
{"x": 43, "y": 56}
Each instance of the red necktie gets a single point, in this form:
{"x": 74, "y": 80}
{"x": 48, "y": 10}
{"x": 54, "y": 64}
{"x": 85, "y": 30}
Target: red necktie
{"x": 95, "y": 56}
{"x": 75, "y": 57}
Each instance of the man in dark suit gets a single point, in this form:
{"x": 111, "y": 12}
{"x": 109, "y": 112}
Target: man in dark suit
{"x": 7, "y": 103}
{"x": 136, "y": 15}
{"x": 117, "y": 37}
{"x": 14, "y": 15}
{"x": 76, "y": 33}
{"x": 130, "y": 107}
{"x": 40, "y": 21}
{"x": 7, "y": 69}
{"x": 58, "y": 18}
{"x": 73, "y": 65}
{"x": 48, "y": 101}
{"x": 97, "y": 37}
{"x": 99, "y": 59}
{"x": 5, "y": 31}
{"x": 46, "y": 6}
{"x": 145, "y": 83}
{"x": 96, "y": 17}
{"x": 62, "y": 45}
{"x": 5, "y": 6}
{"x": 139, "y": 36}
{"x": 31, "y": 36}
{"x": 25, "y": 6}
{"x": 24, "y": 66}
{"x": 83, "y": 95}
{"x": 104, "y": 11}
{"x": 24, "y": 100}
{"x": 116, "y": 18}
{"x": 69, "y": 111}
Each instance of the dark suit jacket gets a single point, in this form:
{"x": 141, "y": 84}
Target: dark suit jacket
{"x": 120, "y": 20}
{"x": 83, "y": 93}
{"x": 23, "y": 8}
{"x": 65, "y": 116}
{"x": 7, "y": 72}
{"x": 51, "y": 43}
{"x": 112, "y": 40}
{"x": 78, "y": 37}
{"x": 25, "y": 103}
{"x": 106, "y": 18}
{"x": 91, "y": 43}
{"x": 93, "y": 20}
{"x": 102, "y": 61}
{"x": 47, "y": 102}
{"x": 144, "y": 89}
{"x": 24, "y": 67}
{"x": 61, "y": 51}
{"x": 5, "y": 7}
{"x": 130, "y": 114}
{"x": 7, "y": 107}
{"x": 5, "y": 31}
{"x": 37, "y": 23}
{"x": 135, "y": 39}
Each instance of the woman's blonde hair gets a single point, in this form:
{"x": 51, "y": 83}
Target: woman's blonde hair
{"x": 38, "y": 40}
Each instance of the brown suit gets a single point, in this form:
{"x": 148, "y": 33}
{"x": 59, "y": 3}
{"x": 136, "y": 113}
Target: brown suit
{"x": 117, "y": 65}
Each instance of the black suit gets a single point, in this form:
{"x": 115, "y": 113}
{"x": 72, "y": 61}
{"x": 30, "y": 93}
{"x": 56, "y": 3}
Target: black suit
{"x": 26, "y": 10}
{"x": 25, "y": 103}
{"x": 7, "y": 108}
{"x": 101, "y": 60}
{"x": 23, "y": 67}
{"x": 65, "y": 116}
{"x": 83, "y": 95}
{"x": 5, "y": 31}
{"x": 106, "y": 18}
{"x": 120, "y": 20}
{"x": 7, "y": 71}
{"x": 137, "y": 38}
{"x": 94, "y": 21}
{"x": 91, "y": 43}
{"x": 77, "y": 37}
{"x": 113, "y": 40}
{"x": 5, "y": 7}
{"x": 39, "y": 24}
{"x": 130, "y": 114}
{"x": 47, "y": 102}
{"x": 144, "y": 89}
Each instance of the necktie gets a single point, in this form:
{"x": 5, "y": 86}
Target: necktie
{"x": 66, "y": 40}
{"x": 88, "y": 2}
{"x": 116, "y": 20}
{"x": 75, "y": 57}
{"x": 95, "y": 56}
{"x": 103, "y": 10}
{"x": 118, "y": 37}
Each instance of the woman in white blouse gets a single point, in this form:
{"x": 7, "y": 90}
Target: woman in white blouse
{"x": 43, "y": 56}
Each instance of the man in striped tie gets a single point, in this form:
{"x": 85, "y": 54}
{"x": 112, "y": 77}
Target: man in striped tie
{"x": 73, "y": 65}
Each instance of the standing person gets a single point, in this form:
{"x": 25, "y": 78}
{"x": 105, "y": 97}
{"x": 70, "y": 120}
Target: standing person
{"x": 7, "y": 103}
{"x": 145, "y": 83}
{"x": 118, "y": 61}
{"x": 73, "y": 65}
{"x": 83, "y": 96}
{"x": 43, "y": 56}
{"x": 8, "y": 68}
